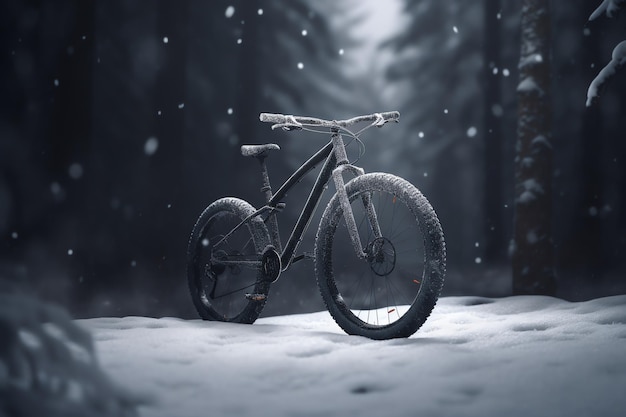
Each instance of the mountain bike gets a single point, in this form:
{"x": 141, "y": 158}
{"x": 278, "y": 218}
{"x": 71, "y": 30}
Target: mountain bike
{"x": 379, "y": 251}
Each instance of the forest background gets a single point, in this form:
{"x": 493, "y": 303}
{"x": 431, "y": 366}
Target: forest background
{"x": 121, "y": 120}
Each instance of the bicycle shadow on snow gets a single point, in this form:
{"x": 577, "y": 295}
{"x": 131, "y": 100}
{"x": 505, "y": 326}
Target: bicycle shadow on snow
{"x": 311, "y": 331}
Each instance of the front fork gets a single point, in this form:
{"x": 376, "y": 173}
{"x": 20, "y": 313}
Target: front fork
{"x": 342, "y": 165}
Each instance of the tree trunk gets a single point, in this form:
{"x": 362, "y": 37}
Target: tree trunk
{"x": 246, "y": 112}
{"x": 166, "y": 170}
{"x": 492, "y": 134}
{"x": 532, "y": 247}
{"x": 589, "y": 225}
{"x": 72, "y": 117}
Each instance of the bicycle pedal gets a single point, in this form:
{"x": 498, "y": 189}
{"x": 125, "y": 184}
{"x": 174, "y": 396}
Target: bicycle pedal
{"x": 256, "y": 297}
{"x": 306, "y": 256}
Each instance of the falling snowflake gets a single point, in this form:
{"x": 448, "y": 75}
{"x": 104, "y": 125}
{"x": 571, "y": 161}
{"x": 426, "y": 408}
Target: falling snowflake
{"x": 55, "y": 188}
{"x": 75, "y": 171}
{"x": 497, "y": 110}
{"x": 151, "y": 146}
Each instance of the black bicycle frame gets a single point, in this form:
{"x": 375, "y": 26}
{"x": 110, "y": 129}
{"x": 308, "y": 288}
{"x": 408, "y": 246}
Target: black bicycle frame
{"x": 336, "y": 162}
{"x": 272, "y": 206}
{"x": 326, "y": 153}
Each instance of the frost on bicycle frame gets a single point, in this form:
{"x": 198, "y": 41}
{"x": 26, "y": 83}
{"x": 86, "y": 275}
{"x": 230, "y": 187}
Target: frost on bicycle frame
{"x": 268, "y": 258}
{"x": 340, "y": 160}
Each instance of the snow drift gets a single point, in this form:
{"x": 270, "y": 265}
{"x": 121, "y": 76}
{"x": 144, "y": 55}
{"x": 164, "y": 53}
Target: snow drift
{"x": 517, "y": 356}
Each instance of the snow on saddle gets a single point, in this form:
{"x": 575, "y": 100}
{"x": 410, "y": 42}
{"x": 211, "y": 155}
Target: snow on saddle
{"x": 258, "y": 150}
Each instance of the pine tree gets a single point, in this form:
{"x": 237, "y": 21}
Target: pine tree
{"x": 532, "y": 248}
{"x": 492, "y": 132}
{"x": 274, "y": 57}
{"x": 438, "y": 64}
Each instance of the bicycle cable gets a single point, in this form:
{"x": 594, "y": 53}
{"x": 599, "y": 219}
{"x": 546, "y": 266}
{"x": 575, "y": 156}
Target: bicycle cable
{"x": 353, "y": 136}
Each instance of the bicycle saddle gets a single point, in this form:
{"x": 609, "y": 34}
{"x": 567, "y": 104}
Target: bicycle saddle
{"x": 258, "y": 150}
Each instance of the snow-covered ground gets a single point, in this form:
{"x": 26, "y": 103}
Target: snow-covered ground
{"x": 517, "y": 356}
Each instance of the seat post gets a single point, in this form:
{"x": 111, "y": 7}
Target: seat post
{"x": 267, "y": 190}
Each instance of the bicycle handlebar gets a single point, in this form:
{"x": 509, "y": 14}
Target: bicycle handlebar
{"x": 289, "y": 122}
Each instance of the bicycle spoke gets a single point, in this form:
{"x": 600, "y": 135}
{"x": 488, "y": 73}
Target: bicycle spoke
{"x": 234, "y": 291}
{"x": 370, "y": 292}
{"x": 226, "y": 262}
{"x": 376, "y": 288}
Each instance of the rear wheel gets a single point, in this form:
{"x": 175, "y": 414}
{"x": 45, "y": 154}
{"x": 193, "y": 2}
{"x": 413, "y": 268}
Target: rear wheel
{"x": 392, "y": 291}
{"x": 224, "y": 271}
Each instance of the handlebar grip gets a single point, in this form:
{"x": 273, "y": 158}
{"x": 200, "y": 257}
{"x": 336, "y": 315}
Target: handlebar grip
{"x": 272, "y": 118}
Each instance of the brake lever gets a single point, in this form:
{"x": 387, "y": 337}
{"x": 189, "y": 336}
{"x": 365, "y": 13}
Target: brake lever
{"x": 287, "y": 126}
{"x": 380, "y": 120}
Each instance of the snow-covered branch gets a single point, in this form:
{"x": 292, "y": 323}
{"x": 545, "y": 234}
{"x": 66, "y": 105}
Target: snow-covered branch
{"x": 618, "y": 58}
{"x": 609, "y": 7}
{"x": 48, "y": 365}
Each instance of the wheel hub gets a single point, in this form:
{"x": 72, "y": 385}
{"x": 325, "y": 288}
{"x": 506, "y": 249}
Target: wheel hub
{"x": 381, "y": 255}
{"x": 216, "y": 267}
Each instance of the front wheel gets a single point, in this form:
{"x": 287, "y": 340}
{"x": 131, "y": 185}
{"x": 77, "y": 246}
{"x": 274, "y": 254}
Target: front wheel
{"x": 224, "y": 271}
{"x": 392, "y": 290}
